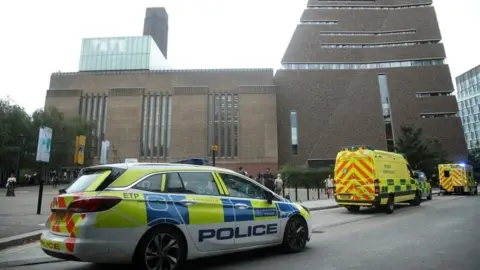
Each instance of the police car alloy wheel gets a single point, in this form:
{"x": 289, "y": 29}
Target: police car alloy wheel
{"x": 296, "y": 235}
{"x": 160, "y": 249}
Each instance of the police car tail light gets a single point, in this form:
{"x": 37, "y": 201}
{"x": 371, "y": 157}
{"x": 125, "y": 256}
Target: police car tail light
{"x": 376, "y": 184}
{"x": 95, "y": 204}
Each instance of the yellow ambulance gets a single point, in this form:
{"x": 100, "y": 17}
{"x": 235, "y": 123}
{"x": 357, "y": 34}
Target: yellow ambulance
{"x": 457, "y": 178}
{"x": 374, "y": 178}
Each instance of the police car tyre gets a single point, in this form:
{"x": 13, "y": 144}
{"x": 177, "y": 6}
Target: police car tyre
{"x": 296, "y": 235}
{"x": 390, "y": 207}
{"x": 161, "y": 248}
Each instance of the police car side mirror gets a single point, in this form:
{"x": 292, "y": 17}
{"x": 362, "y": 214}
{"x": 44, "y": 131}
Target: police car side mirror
{"x": 269, "y": 197}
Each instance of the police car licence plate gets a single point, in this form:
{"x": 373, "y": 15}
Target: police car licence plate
{"x": 344, "y": 197}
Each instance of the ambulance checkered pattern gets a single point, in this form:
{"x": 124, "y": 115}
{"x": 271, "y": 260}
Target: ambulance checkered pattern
{"x": 354, "y": 175}
{"x": 454, "y": 179}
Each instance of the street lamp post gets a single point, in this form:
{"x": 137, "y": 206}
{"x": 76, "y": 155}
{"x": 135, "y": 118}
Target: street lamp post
{"x": 21, "y": 142}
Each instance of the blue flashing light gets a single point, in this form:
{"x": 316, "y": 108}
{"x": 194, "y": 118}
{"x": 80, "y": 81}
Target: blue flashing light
{"x": 462, "y": 164}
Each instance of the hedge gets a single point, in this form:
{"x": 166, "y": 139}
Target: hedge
{"x": 305, "y": 177}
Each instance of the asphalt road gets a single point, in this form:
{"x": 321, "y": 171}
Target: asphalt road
{"x": 439, "y": 234}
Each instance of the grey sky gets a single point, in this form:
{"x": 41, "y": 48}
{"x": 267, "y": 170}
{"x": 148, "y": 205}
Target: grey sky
{"x": 41, "y": 37}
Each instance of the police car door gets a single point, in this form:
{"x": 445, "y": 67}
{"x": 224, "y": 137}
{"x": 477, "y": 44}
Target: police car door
{"x": 256, "y": 221}
{"x": 204, "y": 213}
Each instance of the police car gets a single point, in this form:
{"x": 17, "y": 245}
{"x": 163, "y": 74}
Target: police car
{"x": 156, "y": 216}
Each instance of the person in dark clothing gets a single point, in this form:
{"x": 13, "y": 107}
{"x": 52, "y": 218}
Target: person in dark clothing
{"x": 269, "y": 180}
{"x": 242, "y": 171}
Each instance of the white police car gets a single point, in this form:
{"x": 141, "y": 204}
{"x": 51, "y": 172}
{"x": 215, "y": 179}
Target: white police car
{"x": 159, "y": 215}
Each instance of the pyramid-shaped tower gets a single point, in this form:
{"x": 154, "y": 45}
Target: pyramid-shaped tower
{"x": 354, "y": 72}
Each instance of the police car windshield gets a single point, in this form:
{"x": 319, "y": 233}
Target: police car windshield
{"x": 84, "y": 181}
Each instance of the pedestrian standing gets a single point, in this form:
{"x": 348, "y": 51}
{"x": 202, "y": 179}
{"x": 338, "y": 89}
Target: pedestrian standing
{"x": 11, "y": 182}
{"x": 330, "y": 184}
{"x": 269, "y": 180}
{"x": 278, "y": 184}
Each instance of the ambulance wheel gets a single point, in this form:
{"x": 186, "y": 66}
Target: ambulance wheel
{"x": 161, "y": 248}
{"x": 390, "y": 207}
{"x": 296, "y": 235}
{"x": 353, "y": 208}
{"x": 417, "y": 200}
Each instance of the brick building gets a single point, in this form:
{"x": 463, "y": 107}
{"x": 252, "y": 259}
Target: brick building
{"x": 353, "y": 73}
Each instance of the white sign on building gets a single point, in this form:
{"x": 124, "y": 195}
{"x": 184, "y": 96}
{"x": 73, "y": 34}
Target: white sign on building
{"x": 115, "y": 45}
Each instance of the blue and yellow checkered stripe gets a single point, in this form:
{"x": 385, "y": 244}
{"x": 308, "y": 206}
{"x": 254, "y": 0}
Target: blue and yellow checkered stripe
{"x": 167, "y": 208}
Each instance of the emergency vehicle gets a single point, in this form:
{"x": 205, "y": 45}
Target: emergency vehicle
{"x": 457, "y": 178}
{"x": 156, "y": 216}
{"x": 424, "y": 184}
{"x": 373, "y": 178}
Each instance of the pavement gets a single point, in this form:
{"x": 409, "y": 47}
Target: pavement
{"x": 18, "y": 215}
{"x": 439, "y": 234}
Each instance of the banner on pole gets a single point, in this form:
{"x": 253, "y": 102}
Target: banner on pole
{"x": 44, "y": 144}
{"x": 104, "y": 152}
{"x": 79, "y": 155}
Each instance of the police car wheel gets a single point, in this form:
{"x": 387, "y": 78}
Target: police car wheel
{"x": 390, "y": 207}
{"x": 160, "y": 248}
{"x": 296, "y": 235}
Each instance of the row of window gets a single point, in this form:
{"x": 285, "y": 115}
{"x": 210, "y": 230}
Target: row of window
{"x": 115, "y": 62}
{"x": 379, "y": 45}
{"x": 433, "y": 94}
{"x": 223, "y": 127}
{"x": 294, "y": 132}
{"x": 319, "y": 22}
{"x": 93, "y": 108}
{"x": 370, "y": 7}
{"x": 438, "y": 115}
{"x": 362, "y": 33}
{"x": 468, "y": 78}
{"x": 469, "y": 91}
{"x": 474, "y": 101}
{"x": 156, "y": 126}
{"x": 201, "y": 183}
{"x": 411, "y": 63}
{"x": 469, "y": 121}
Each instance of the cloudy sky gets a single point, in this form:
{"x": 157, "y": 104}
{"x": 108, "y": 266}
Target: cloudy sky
{"x": 41, "y": 37}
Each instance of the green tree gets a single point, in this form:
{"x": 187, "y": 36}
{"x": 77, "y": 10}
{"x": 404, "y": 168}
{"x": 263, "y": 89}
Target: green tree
{"x": 421, "y": 153}
{"x": 14, "y": 122}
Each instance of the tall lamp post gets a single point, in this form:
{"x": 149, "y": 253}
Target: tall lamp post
{"x": 21, "y": 143}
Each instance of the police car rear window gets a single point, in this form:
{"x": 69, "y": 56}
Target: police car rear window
{"x": 84, "y": 181}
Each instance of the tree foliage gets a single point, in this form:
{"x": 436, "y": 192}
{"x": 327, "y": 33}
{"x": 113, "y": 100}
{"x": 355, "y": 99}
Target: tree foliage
{"x": 421, "y": 153}
{"x": 19, "y": 134}
{"x": 305, "y": 177}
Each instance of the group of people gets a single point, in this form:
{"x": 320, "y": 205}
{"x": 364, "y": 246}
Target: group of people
{"x": 267, "y": 179}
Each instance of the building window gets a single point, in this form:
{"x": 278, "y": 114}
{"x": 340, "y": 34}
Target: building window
{"x": 370, "y": 7}
{"x": 387, "y": 117}
{"x": 294, "y": 132}
{"x": 433, "y": 94}
{"x": 370, "y": 65}
{"x": 93, "y": 108}
{"x": 367, "y": 33}
{"x": 377, "y": 45}
{"x": 223, "y": 127}
{"x": 156, "y": 125}
{"x": 438, "y": 115}
{"x": 319, "y": 22}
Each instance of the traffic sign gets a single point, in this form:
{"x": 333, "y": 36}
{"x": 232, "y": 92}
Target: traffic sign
{"x": 214, "y": 147}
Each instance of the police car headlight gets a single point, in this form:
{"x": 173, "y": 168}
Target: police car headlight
{"x": 306, "y": 209}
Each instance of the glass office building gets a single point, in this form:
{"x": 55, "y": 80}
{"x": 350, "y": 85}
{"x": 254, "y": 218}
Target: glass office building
{"x": 468, "y": 96}
{"x": 121, "y": 53}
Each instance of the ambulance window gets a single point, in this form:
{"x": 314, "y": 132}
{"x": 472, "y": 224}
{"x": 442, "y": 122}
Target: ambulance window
{"x": 242, "y": 188}
{"x": 201, "y": 183}
{"x": 152, "y": 183}
{"x": 446, "y": 173}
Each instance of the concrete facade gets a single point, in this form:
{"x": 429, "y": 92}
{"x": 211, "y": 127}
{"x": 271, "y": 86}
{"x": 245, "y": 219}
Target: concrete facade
{"x": 331, "y": 79}
{"x": 117, "y": 102}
